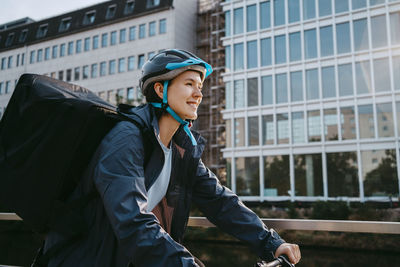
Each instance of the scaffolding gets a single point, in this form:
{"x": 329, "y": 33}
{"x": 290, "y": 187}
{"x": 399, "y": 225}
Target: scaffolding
{"x": 210, "y": 30}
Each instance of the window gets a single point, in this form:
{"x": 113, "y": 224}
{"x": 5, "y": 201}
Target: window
{"x": 129, "y": 7}
{"x": 78, "y": 46}
{"x": 265, "y": 15}
{"x": 150, "y": 55}
{"x": 282, "y": 121}
{"x": 111, "y": 11}
{"x": 1, "y": 89}
{"x": 77, "y": 73}
{"x": 268, "y": 129}
{"x": 39, "y": 55}
{"x": 347, "y": 121}
{"x": 131, "y": 63}
{"x": 140, "y": 61}
{"x": 94, "y": 70}
{"x": 376, "y": 2}
{"x": 228, "y": 133}
{"x": 85, "y": 72}
{"x": 10, "y": 39}
{"x": 360, "y": 31}
{"x": 251, "y": 20}
{"x": 31, "y": 60}
{"x": 22, "y": 36}
{"x": 252, "y": 54}
{"x": 18, "y": 60}
{"x": 308, "y": 9}
{"x": 381, "y": 75}
{"x": 61, "y": 75}
{"x": 341, "y": 6}
{"x": 152, "y": 28}
{"x": 152, "y": 3}
{"x": 238, "y": 57}
{"x": 238, "y": 20}
{"x": 280, "y": 49}
{"x": 131, "y": 94}
{"x": 281, "y": 88}
{"x": 22, "y": 59}
{"x": 95, "y": 43}
{"x": 378, "y": 27}
{"x": 343, "y": 38}
{"x": 252, "y": 131}
{"x": 228, "y": 23}
{"x": 366, "y": 121}
{"x": 122, "y": 36}
{"x": 89, "y": 17}
{"x": 279, "y": 12}
{"x": 103, "y": 68}
{"x": 142, "y": 31}
{"x": 363, "y": 77}
{"x": 298, "y": 133}
{"x": 104, "y": 40}
{"x": 238, "y": 94}
{"x": 162, "y": 26}
{"x": 228, "y": 58}
{"x": 42, "y": 31}
{"x": 357, "y": 4}
{"x": 121, "y": 65}
{"x": 266, "y": 90}
{"x": 47, "y": 53}
{"x": 111, "y": 67}
{"x": 64, "y": 25}
{"x": 330, "y": 124}
{"x": 324, "y": 8}
{"x": 328, "y": 82}
{"x": 314, "y": 126}
{"x": 312, "y": 88}
{"x": 296, "y": 86}
{"x": 395, "y": 28}
{"x": 228, "y": 96}
{"x": 308, "y": 175}
{"x": 342, "y": 172}
{"x": 10, "y": 61}
{"x": 266, "y": 57}
{"x": 132, "y": 33}
{"x": 326, "y": 41}
{"x": 345, "y": 78}
{"x": 62, "y": 50}
{"x": 247, "y": 176}
{"x": 87, "y": 44}
{"x": 70, "y": 48}
{"x": 310, "y": 44}
{"x": 294, "y": 10}
{"x": 69, "y": 74}
{"x": 113, "y": 38}
{"x": 7, "y": 89}
{"x": 396, "y": 70}
{"x": 294, "y": 46}
{"x": 385, "y": 121}
{"x": 252, "y": 92}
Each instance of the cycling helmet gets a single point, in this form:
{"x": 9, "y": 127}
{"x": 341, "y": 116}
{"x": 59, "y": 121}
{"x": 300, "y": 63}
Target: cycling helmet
{"x": 165, "y": 66}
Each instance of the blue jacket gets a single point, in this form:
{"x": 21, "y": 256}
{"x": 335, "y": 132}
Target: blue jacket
{"x": 121, "y": 231}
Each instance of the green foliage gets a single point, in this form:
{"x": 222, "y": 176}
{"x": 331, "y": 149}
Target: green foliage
{"x": 330, "y": 210}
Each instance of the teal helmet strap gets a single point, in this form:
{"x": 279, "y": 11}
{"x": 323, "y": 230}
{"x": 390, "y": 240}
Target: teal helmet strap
{"x": 164, "y": 105}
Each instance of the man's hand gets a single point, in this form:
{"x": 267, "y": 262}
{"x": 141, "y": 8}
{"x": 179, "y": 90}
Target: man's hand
{"x": 292, "y": 251}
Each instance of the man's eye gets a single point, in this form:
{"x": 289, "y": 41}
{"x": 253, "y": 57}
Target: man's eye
{"x": 190, "y": 84}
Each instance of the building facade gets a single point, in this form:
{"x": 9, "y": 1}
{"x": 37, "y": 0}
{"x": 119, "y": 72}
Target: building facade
{"x": 312, "y": 99}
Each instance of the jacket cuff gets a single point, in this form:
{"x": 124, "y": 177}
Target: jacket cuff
{"x": 272, "y": 245}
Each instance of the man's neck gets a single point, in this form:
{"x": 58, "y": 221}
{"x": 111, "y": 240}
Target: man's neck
{"x": 168, "y": 126}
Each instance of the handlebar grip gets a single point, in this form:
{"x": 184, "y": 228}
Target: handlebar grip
{"x": 281, "y": 261}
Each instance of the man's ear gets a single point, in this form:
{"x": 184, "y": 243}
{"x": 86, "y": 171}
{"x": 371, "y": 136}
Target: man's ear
{"x": 159, "y": 89}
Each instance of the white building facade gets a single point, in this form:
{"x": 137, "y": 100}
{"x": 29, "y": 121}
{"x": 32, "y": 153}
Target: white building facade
{"x": 313, "y": 99}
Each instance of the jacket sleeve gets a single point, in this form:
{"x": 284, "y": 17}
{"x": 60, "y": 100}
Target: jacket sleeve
{"x": 224, "y": 209}
{"x": 119, "y": 178}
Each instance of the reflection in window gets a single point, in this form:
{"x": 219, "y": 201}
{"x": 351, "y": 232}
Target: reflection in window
{"x": 385, "y": 120}
{"x": 229, "y": 172}
{"x": 265, "y": 15}
{"x": 330, "y": 125}
{"x": 378, "y": 27}
{"x": 252, "y": 125}
{"x": 294, "y": 46}
{"x": 238, "y": 90}
{"x": 328, "y": 82}
{"x": 239, "y": 132}
{"x": 279, "y": 12}
{"x": 308, "y": 9}
{"x": 276, "y": 176}
{"x": 345, "y": 78}
{"x": 252, "y": 92}
{"x": 347, "y": 121}
{"x": 366, "y": 121}
{"x": 310, "y": 44}
{"x": 308, "y": 175}
{"x": 363, "y": 78}
{"x": 326, "y": 41}
{"x": 356, "y": 4}
{"x": 251, "y": 18}
{"x": 89, "y": 17}
{"x": 283, "y": 128}
{"x": 324, "y": 8}
{"x": 252, "y": 54}
{"x": 266, "y": 58}
{"x": 314, "y": 126}
{"x": 298, "y": 135}
{"x": 342, "y": 171}
{"x": 296, "y": 86}
{"x": 268, "y": 129}
{"x": 379, "y": 170}
{"x": 266, "y": 90}
{"x": 238, "y": 58}
{"x": 341, "y": 6}
{"x": 228, "y": 132}
{"x": 228, "y": 23}
{"x": 280, "y": 49}
{"x": 294, "y": 10}
{"x": 228, "y": 58}
{"x": 360, "y": 34}
{"x": 281, "y": 88}
{"x": 382, "y": 75}
{"x": 247, "y": 176}
{"x": 312, "y": 88}
{"x": 395, "y": 28}
{"x": 343, "y": 38}
{"x": 238, "y": 20}
{"x": 396, "y": 69}
{"x": 228, "y": 95}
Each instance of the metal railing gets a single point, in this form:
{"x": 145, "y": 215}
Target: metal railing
{"x": 294, "y": 224}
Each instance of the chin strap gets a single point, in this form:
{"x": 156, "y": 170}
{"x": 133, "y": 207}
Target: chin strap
{"x": 164, "y": 105}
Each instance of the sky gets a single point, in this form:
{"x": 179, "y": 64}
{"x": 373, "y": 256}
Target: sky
{"x": 39, "y": 9}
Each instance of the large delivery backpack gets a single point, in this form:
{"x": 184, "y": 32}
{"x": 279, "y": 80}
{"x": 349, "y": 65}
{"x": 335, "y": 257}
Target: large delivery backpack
{"x": 48, "y": 134}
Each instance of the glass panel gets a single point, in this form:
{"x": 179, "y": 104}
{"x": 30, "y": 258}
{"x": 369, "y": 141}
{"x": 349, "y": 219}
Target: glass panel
{"x": 131, "y": 62}
{"x": 247, "y": 176}
{"x": 379, "y": 169}
{"x": 330, "y": 125}
{"x": 238, "y": 93}
{"x": 360, "y": 31}
{"x": 363, "y": 78}
{"x": 228, "y": 133}
{"x": 268, "y": 129}
{"x": 308, "y": 175}
{"x": 366, "y": 121}
{"x": 341, "y": 6}
{"x": 396, "y": 69}
{"x": 280, "y": 49}
{"x": 314, "y": 126}
{"x": 152, "y": 28}
{"x": 132, "y": 33}
{"x": 228, "y": 58}
{"x": 385, "y": 120}
{"x": 266, "y": 58}
{"x": 266, "y": 90}
{"x": 343, "y": 38}
{"x": 328, "y": 82}
{"x": 238, "y": 20}
{"x": 122, "y": 34}
{"x": 326, "y": 41}
{"x": 294, "y": 10}
{"x": 104, "y": 39}
{"x": 324, "y": 7}
{"x": 378, "y": 27}
{"x": 111, "y": 67}
{"x": 298, "y": 134}
{"x": 381, "y": 75}
{"x": 252, "y": 92}
{"x": 252, "y": 124}
{"x": 265, "y": 15}
{"x": 345, "y": 79}
{"x": 238, "y": 57}
{"x": 252, "y": 54}
{"x": 342, "y": 174}
{"x": 308, "y": 9}
{"x": 356, "y": 4}
{"x": 227, "y": 23}
{"x": 376, "y": 2}
{"x": 395, "y": 28}
{"x": 142, "y": 31}
{"x": 276, "y": 176}
{"x": 162, "y": 26}
{"x": 251, "y": 18}
{"x": 113, "y": 39}
{"x": 295, "y": 46}
{"x": 229, "y": 172}
{"x": 312, "y": 88}
{"x": 283, "y": 128}
{"x": 228, "y": 95}
{"x": 239, "y": 132}
{"x": 95, "y": 42}
{"x": 310, "y": 44}
{"x": 348, "y": 124}
{"x": 121, "y": 65}
{"x": 398, "y": 117}
{"x": 296, "y": 86}
{"x": 279, "y": 12}
{"x": 281, "y": 88}
{"x": 94, "y": 70}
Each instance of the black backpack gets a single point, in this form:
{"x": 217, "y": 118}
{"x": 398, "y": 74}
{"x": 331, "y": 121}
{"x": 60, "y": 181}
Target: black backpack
{"x": 48, "y": 134}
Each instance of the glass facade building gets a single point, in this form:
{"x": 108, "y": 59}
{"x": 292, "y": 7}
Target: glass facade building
{"x": 312, "y": 99}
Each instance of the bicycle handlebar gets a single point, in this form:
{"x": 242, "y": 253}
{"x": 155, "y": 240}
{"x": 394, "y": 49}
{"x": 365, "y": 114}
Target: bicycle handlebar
{"x": 281, "y": 261}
